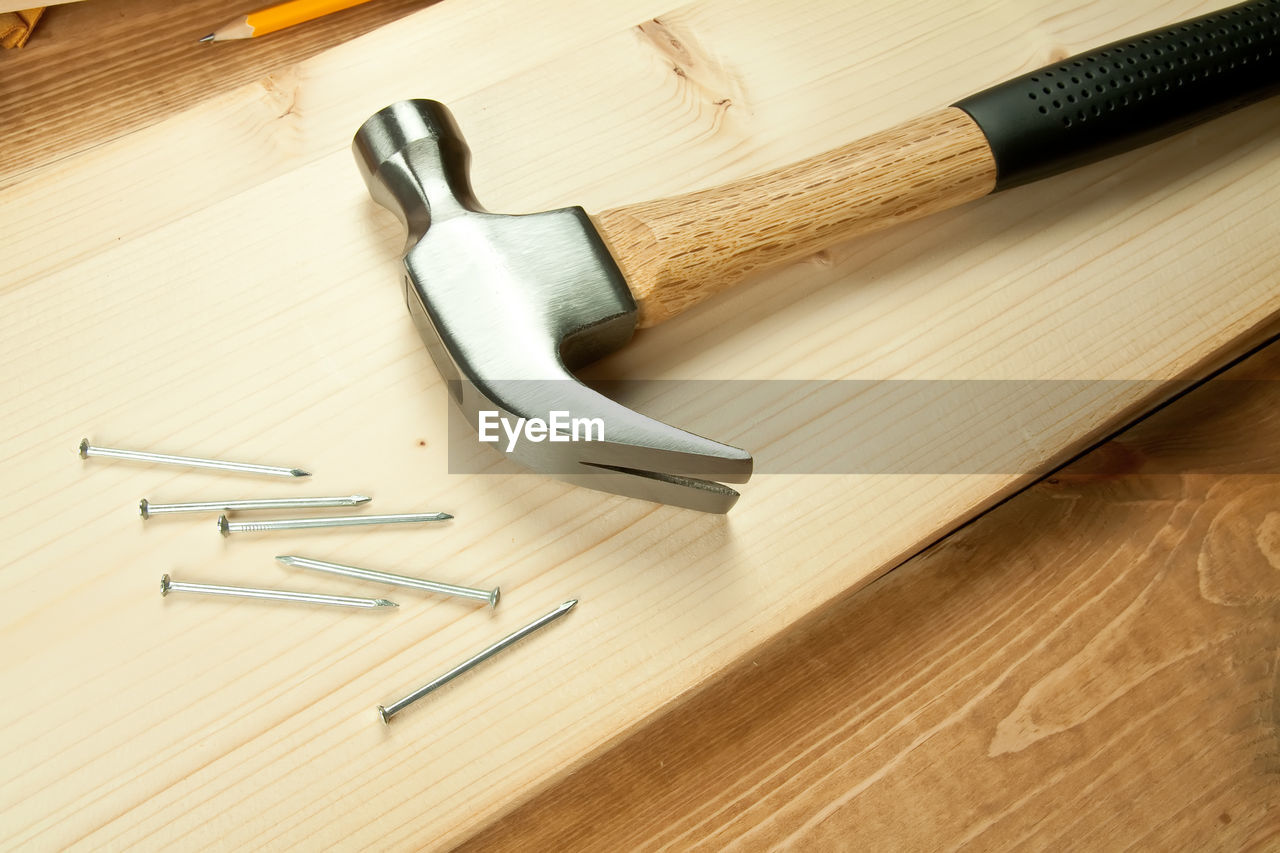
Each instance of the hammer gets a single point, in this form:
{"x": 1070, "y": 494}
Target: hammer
{"x": 509, "y": 305}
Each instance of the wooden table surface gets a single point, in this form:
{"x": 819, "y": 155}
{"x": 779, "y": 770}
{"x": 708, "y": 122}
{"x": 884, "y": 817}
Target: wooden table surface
{"x": 1093, "y": 663}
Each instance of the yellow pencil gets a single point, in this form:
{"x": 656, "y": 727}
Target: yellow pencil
{"x": 274, "y": 18}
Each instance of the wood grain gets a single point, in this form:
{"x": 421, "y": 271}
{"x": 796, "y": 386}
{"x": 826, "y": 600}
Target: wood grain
{"x": 1092, "y": 665}
{"x": 676, "y": 252}
{"x": 220, "y": 284}
{"x": 95, "y": 71}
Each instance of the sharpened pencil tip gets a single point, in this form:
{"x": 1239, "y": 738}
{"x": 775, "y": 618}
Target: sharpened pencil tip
{"x": 298, "y": 472}
{"x": 208, "y": 38}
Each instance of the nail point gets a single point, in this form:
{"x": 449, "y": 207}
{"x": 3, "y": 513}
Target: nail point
{"x": 361, "y": 499}
{"x": 298, "y": 472}
{"x": 382, "y": 602}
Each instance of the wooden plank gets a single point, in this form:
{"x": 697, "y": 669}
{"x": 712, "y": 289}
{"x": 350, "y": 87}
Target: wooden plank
{"x": 96, "y": 71}
{"x": 1091, "y": 665}
{"x": 220, "y": 284}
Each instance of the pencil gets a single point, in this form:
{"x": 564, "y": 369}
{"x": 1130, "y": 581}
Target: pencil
{"x": 274, "y": 18}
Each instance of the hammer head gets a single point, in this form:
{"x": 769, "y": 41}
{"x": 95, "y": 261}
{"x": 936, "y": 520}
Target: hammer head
{"x": 507, "y": 305}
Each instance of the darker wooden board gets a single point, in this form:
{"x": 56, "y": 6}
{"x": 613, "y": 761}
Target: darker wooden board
{"x": 94, "y": 71}
{"x": 1091, "y": 665}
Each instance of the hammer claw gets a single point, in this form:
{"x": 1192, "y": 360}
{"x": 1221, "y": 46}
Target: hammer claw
{"x": 687, "y": 492}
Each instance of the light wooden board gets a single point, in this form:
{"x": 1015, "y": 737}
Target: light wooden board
{"x": 16, "y": 5}
{"x": 220, "y": 284}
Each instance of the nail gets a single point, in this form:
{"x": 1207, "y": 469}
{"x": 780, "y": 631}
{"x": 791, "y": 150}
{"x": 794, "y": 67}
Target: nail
{"x": 168, "y": 585}
{"x": 389, "y": 711}
{"x": 227, "y": 527}
{"x": 486, "y": 595}
{"x": 87, "y": 450}
{"x": 149, "y": 509}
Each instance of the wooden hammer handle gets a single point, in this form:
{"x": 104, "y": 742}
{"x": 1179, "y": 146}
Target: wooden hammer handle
{"x": 1114, "y": 98}
{"x": 678, "y": 251}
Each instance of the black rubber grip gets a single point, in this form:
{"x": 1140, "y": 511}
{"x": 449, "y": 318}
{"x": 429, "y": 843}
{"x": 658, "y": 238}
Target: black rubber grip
{"x": 1130, "y": 92}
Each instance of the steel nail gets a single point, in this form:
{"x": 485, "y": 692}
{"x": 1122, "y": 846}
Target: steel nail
{"x": 489, "y": 596}
{"x": 148, "y": 509}
{"x": 389, "y": 711}
{"x": 226, "y": 527}
{"x": 87, "y": 450}
{"x": 168, "y": 585}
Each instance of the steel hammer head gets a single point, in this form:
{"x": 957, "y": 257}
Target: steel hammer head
{"x": 507, "y": 305}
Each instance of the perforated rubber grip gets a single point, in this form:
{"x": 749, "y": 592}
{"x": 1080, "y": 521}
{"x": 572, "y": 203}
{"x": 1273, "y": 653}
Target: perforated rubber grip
{"x": 1130, "y": 92}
